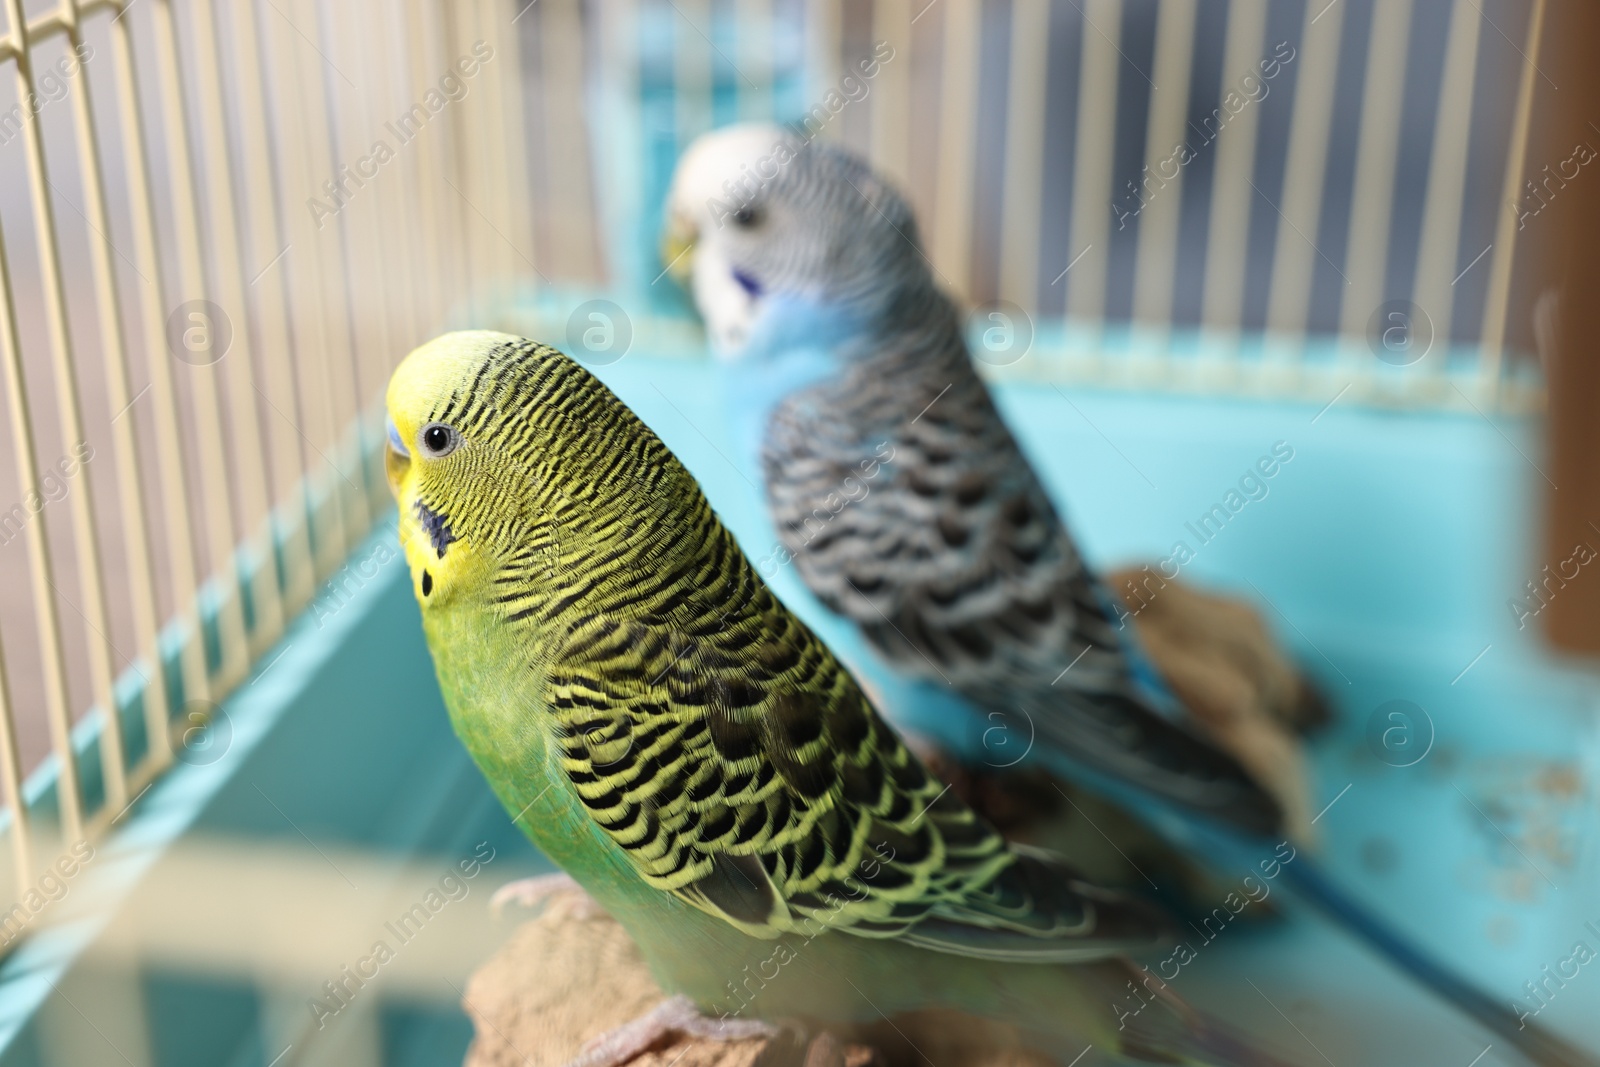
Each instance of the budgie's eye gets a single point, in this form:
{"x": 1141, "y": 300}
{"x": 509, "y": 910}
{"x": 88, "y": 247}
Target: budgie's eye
{"x": 746, "y": 217}
{"x": 439, "y": 440}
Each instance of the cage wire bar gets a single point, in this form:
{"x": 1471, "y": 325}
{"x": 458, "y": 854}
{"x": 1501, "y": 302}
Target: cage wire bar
{"x": 1015, "y": 66}
{"x": 246, "y": 172}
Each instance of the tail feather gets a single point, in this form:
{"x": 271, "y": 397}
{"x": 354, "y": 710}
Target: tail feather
{"x": 1176, "y": 1033}
{"x": 1205, "y": 1044}
{"x": 1537, "y": 1043}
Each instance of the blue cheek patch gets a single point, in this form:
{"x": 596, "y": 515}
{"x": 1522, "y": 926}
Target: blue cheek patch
{"x": 395, "y": 442}
{"x": 439, "y": 533}
{"x": 747, "y": 283}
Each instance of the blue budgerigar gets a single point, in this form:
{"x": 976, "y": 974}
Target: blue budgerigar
{"x": 897, "y": 491}
{"x": 907, "y": 507}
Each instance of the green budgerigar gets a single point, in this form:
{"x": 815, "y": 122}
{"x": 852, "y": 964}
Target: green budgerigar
{"x": 669, "y": 734}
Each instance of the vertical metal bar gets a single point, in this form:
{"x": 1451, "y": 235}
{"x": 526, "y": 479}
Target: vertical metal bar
{"x": 390, "y": 259}
{"x": 1093, "y": 156}
{"x": 467, "y": 128}
{"x": 487, "y": 151}
{"x": 434, "y": 42}
{"x": 891, "y": 103}
{"x": 439, "y": 216}
{"x": 692, "y": 74}
{"x": 220, "y": 537}
{"x": 1294, "y": 254}
{"x": 1505, "y": 239}
{"x": 329, "y": 259}
{"x": 455, "y": 215}
{"x": 330, "y": 154}
{"x": 169, "y": 451}
{"x": 332, "y": 529}
{"x": 367, "y": 270}
{"x": 466, "y": 135}
{"x": 1162, "y": 192}
{"x": 442, "y": 160}
{"x": 1447, "y": 173}
{"x": 44, "y": 588}
{"x": 457, "y": 149}
{"x": 392, "y": 205}
{"x": 1022, "y": 200}
{"x": 397, "y": 203}
{"x": 21, "y": 828}
{"x": 1378, "y": 149}
{"x": 491, "y": 127}
{"x": 951, "y": 239}
{"x": 393, "y": 257}
{"x": 753, "y": 22}
{"x": 345, "y": 356}
{"x": 130, "y": 473}
{"x": 289, "y": 456}
{"x": 460, "y": 127}
{"x": 508, "y": 57}
{"x": 415, "y": 221}
{"x": 10, "y": 759}
{"x": 561, "y": 40}
{"x": 445, "y": 205}
{"x": 1232, "y": 188}
{"x": 366, "y": 266}
{"x": 250, "y": 446}
{"x": 824, "y": 30}
{"x": 369, "y": 266}
{"x": 623, "y": 154}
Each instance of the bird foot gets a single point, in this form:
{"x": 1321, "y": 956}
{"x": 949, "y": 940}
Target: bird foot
{"x": 542, "y": 889}
{"x": 672, "y": 1018}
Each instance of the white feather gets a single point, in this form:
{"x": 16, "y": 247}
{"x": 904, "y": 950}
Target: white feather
{"x": 704, "y": 185}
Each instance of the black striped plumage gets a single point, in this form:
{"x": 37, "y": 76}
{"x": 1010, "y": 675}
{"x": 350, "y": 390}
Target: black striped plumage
{"x": 705, "y": 730}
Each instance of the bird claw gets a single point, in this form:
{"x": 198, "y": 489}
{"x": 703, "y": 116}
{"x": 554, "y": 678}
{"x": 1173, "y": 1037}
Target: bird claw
{"x": 542, "y": 889}
{"x": 673, "y": 1017}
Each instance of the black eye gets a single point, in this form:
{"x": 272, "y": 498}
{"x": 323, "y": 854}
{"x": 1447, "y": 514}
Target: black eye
{"x": 746, "y": 217}
{"x": 439, "y": 440}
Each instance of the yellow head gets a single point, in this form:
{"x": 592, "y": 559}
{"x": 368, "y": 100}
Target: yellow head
{"x": 512, "y": 466}
{"x": 430, "y": 463}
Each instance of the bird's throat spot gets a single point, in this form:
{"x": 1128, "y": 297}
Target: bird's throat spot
{"x": 427, "y": 583}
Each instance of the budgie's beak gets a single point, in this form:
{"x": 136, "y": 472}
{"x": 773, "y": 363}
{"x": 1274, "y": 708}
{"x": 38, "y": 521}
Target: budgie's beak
{"x": 677, "y": 247}
{"x": 396, "y": 459}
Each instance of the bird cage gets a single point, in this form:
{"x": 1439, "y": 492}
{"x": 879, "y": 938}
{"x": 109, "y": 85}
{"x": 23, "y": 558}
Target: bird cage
{"x": 1254, "y": 198}
{"x": 221, "y": 224}
{"x": 1216, "y": 224}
